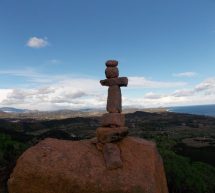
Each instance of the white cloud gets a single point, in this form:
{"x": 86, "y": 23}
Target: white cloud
{"x": 185, "y": 74}
{"x": 52, "y": 62}
{"x": 27, "y": 72}
{"x": 35, "y": 42}
{"x": 55, "y": 61}
{"x": 34, "y": 77}
{"x": 152, "y": 95}
{"x": 206, "y": 85}
{"x": 202, "y": 93}
{"x": 183, "y": 93}
{"x": 145, "y": 102}
{"x": 72, "y": 92}
{"x": 142, "y": 82}
{"x": 134, "y": 82}
{"x": 4, "y": 94}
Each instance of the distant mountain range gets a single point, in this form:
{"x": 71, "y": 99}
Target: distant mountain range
{"x": 10, "y": 112}
{"x": 15, "y": 113}
{"x": 16, "y": 110}
{"x": 13, "y": 110}
{"x": 86, "y": 110}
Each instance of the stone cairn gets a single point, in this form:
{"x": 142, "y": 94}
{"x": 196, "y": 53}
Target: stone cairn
{"x": 130, "y": 165}
{"x": 112, "y": 127}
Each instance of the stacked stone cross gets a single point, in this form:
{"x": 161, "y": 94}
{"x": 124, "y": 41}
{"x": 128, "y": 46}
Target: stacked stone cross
{"x": 113, "y": 123}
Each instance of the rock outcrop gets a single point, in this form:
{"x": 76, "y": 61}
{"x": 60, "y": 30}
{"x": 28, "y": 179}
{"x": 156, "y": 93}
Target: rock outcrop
{"x": 60, "y": 166}
{"x": 110, "y": 163}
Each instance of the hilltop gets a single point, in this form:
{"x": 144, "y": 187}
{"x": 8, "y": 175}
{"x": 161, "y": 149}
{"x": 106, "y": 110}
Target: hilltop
{"x": 176, "y": 134}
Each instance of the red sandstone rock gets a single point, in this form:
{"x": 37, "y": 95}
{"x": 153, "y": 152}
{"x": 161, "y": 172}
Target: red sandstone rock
{"x": 114, "y": 101}
{"x": 108, "y": 134}
{"x": 112, "y": 72}
{"x": 120, "y": 81}
{"x": 60, "y": 166}
{"x": 111, "y": 63}
{"x": 113, "y": 119}
{"x": 99, "y": 146}
{"x": 112, "y": 156}
{"x": 93, "y": 140}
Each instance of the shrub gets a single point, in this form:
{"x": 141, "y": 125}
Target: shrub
{"x": 184, "y": 176}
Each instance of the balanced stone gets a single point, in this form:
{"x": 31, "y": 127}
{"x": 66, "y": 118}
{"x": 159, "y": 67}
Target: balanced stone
{"x": 114, "y": 101}
{"x": 121, "y": 81}
{"x": 112, "y": 72}
{"x": 111, "y": 63}
{"x": 108, "y": 134}
{"x": 113, "y": 120}
{"x": 112, "y": 156}
{"x": 113, "y": 123}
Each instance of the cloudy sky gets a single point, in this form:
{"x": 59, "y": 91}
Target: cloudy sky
{"x": 53, "y": 53}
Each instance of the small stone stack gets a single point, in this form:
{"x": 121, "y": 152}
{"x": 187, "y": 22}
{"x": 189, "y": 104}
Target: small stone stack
{"x": 113, "y": 123}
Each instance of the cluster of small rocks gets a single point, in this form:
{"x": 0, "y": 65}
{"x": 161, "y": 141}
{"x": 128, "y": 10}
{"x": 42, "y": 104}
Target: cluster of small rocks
{"x": 112, "y": 127}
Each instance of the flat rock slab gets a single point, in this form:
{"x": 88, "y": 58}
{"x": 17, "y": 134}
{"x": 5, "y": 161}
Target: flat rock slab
{"x": 109, "y": 134}
{"x": 120, "y": 81}
{"x": 60, "y": 166}
{"x": 113, "y": 119}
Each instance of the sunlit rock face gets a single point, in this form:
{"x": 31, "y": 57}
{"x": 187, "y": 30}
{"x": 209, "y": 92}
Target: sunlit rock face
{"x": 60, "y": 166}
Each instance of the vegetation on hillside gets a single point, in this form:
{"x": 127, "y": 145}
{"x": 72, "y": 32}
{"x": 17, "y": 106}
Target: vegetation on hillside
{"x": 184, "y": 174}
{"x": 10, "y": 150}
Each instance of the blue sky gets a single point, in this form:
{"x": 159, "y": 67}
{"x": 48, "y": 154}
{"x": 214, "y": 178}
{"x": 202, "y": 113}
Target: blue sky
{"x": 50, "y": 51}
